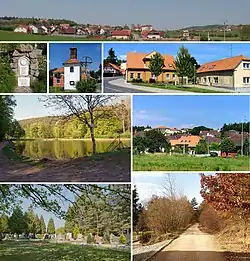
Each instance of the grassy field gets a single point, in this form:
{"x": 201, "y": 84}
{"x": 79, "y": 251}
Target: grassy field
{"x": 42, "y": 251}
{"x": 178, "y": 88}
{"x": 151, "y": 162}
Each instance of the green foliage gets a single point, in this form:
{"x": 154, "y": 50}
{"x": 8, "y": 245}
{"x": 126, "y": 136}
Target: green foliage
{"x": 137, "y": 207}
{"x": 7, "y": 104}
{"x": 42, "y": 225}
{"x": 202, "y": 147}
{"x": 196, "y": 130}
{"x": 215, "y": 146}
{"x": 227, "y": 145}
{"x": 106, "y": 237}
{"x": 33, "y": 222}
{"x": 123, "y": 239}
{"x": 156, "y": 140}
{"x": 112, "y": 58}
{"x": 8, "y": 81}
{"x": 15, "y": 130}
{"x": 90, "y": 239}
{"x": 76, "y": 231}
{"x": 245, "y": 33}
{"x": 17, "y": 222}
{"x": 87, "y": 86}
{"x": 156, "y": 64}
{"x": 51, "y": 227}
{"x": 4, "y": 223}
{"x": 236, "y": 126}
{"x": 61, "y": 230}
{"x": 139, "y": 144}
{"x": 185, "y": 64}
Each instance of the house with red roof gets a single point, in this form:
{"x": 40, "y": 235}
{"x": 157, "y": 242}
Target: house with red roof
{"x": 23, "y": 29}
{"x": 121, "y": 34}
{"x": 111, "y": 69}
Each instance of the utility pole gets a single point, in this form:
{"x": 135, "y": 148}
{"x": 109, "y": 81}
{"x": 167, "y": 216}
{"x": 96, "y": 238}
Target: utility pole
{"x": 242, "y": 138}
{"x": 194, "y": 74}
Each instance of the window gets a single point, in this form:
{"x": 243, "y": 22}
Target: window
{"x": 173, "y": 76}
{"x": 71, "y": 69}
{"x": 246, "y": 65}
{"x": 72, "y": 83}
{"x": 216, "y": 80}
{"x": 246, "y": 80}
{"x": 131, "y": 75}
{"x": 167, "y": 76}
{"x": 58, "y": 80}
{"x": 139, "y": 76}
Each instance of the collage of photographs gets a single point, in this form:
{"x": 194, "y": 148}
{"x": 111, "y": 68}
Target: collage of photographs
{"x": 124, "y": 137}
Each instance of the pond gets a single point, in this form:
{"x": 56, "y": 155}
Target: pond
{"x": 64, "y": 149}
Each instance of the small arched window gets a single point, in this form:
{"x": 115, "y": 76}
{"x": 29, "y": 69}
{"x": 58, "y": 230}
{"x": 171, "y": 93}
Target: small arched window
{"x": 71, "y": 69}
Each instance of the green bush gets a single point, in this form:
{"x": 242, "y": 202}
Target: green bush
{"x": 90, "y": 239}
{"x": 39, "y": 236}
{"x": 87, "y": 86}
{"x": 123, "y": 239}
{"x": 145, "y": 237}
{"x": 8, "y": 80}
{"x": 106, "y": 237}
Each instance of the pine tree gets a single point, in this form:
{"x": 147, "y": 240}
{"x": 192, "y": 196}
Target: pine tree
{"x": 51, "y": 227}
{"x": 137, "y": 207}
{"x": 17, "y": 222}
{"x": 42, "y": 225}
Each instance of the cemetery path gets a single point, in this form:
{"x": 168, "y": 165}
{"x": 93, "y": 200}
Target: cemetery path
{"x": 114, "y": 167}
{"x": 192, "y": 245}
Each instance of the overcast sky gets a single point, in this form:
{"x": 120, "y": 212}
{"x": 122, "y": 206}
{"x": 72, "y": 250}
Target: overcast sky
{"x": 161, "y": 14}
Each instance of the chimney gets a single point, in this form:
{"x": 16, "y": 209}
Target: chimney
{"x": 73, "y": 53}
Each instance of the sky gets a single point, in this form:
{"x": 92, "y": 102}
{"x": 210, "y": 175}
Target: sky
{"x": 203, "y": 52}
{"x": 188, "y": 111}
{"x": 47, "y": 215}
{"x": 150, "y": 183}
{"x": 60, "y": 52}
{"x": 161, "y": 14}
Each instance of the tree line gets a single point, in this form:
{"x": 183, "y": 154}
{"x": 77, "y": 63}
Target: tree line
{"x": 27, "y": 223}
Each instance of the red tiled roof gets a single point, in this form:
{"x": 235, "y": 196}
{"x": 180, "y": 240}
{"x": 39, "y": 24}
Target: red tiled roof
{"x": 59, "y": 70}
{"x": 115, "y": 66}
{"x": 223, "y": 64}
{"x": 121, "y": 33}
{"x": 72, "y": 61}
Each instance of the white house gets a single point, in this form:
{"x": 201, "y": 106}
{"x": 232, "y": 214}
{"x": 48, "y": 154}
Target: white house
{"x": 45, "y": 29}
{"x": 34, "y": 29}
{"x": 21, "y": 29}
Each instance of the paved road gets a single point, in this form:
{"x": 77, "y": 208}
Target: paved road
{"x": 117, "y": 84}
{"x": 193, "y": 245}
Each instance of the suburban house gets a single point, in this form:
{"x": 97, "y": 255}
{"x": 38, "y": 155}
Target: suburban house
{"x": 185, "y": 34}
{"x": 121, "y": 34}
{"x": 111, "y": 69}
{"x": 71, "y": 72}
{"x": 152, "y": 34}
{"x": 167, "y": 130}
{"x": 22, "y": 29}
{"x": 138, "y": 68}
{"x": 186, "y": 143}
{"x": 233, "y": 73}
{"x": 147, "y": 27}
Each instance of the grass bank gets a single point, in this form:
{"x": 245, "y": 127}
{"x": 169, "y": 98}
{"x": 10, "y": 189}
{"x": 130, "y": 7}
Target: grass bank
{"x": 44, "y": 251}
{"x": 164, "y": 162}
{"x": 178, "y": 88}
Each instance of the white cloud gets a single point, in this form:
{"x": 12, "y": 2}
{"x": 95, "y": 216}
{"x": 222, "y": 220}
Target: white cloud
{"x": 123, "y": 56}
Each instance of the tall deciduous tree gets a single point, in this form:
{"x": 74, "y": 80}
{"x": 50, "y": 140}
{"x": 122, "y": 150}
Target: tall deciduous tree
{"x": 156, "y": 64}
{"x": 42, "y": 225}
{"x": 202, "y": 147}
{"x": 227, "y": 146}
{"x": 87, "y": 108}
{"x": 15, "y": 130}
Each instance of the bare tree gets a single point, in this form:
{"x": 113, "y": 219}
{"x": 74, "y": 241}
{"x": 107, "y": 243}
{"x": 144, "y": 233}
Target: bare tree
{"x": 87, "y": 108}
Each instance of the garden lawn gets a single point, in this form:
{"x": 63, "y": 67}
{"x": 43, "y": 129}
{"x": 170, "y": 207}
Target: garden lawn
{"x": 178, "y": 88}
{"x": 42, "y": 251}
{"x": 156, "y": 162}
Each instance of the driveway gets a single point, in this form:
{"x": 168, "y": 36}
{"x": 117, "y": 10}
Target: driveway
{"x": 192, "y": 245}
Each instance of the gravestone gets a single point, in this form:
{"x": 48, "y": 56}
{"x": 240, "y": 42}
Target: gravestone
{"x": 23, "y": 72}
{"x": 69, "y": 236}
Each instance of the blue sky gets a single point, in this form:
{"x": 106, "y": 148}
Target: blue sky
{"x": 203, "y": 52}
{"x": 150, "y": 183}
{"x": 162, "y": 14}
{"x": 189, "y": 110}
{"x": 60, "y": 52}
{"x": 47, "y": 215}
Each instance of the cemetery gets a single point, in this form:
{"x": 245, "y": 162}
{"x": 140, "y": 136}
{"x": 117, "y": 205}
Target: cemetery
{"x": 24, "y": 68}
{"x": 91, "y": 226}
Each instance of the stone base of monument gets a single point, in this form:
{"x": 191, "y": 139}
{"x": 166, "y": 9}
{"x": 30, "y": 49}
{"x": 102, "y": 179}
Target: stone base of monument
{"x": 23, "y": 89}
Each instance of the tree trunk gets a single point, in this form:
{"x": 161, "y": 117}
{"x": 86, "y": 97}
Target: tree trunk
{"x": 93, "y": 140}
{"x": 123, "y": 126}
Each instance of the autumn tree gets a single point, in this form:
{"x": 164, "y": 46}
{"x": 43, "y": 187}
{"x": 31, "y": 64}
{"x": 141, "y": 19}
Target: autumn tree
{"x": 87, "y": 108}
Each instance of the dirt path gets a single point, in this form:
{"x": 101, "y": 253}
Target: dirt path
{"x": 193, "y": 245}
{"x": 110, "y": 168}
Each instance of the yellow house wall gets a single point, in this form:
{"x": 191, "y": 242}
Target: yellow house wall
{"x": 146, "y": 75}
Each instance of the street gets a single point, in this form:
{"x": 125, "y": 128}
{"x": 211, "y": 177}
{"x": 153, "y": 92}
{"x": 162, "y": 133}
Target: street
{"x": 193, "y": 245}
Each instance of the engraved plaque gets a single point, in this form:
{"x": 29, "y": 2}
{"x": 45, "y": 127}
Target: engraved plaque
{"x": 23, "y": 65}
{"x": 23, "y": 81}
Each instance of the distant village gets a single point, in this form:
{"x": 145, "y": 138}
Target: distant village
{"x": 120, "y": 32}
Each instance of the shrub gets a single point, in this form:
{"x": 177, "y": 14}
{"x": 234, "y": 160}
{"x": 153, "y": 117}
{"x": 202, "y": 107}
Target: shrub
{"x": 90, "y": 239}
{"x": 8, "y": 81}
{"x": 145, "y": 237}
{"x": 213, "y": 154}
{"x": 87, "y": 86}
{"x": 151, "y": 80}
{"x": 106, "y": 237}
{"x": 123, "y": 239}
